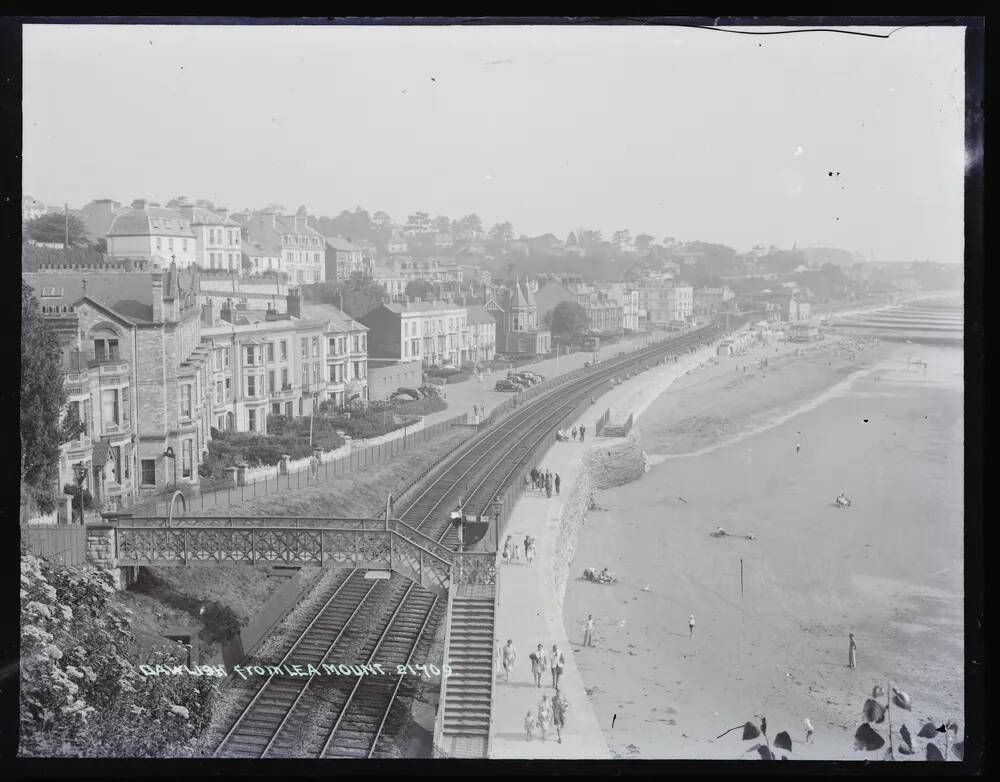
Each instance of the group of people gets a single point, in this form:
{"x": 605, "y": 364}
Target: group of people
{"x": 542, "y": 480}
{"x": 564, "y": 436}
{"x": 512, "y": 551}
{"x": 550, "y": 713}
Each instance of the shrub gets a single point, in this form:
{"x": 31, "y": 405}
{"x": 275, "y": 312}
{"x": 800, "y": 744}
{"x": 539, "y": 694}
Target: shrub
{"x": 458, "y": 377}
{"x": 420, "y": 406}
{"x": 438, "y": 372}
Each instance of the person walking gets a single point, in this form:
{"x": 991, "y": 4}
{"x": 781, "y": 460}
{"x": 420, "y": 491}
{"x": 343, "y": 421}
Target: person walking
{"x": 544, "y": 716}
{"x": 529, "y": 725}
{"x": 539, "y": 662}
{"x": 556, "y": 482}
{"x": 588, "y": 631}
{"x": 809, "y": 730}
{"x": 529, "y": 553}
{"x": 558, "y": 665}
{"x": 527, "y": 481}
{"x": 509, "y": 658}
{"x": 852, "y": 648}
{"x": 691, "y": 625}
{"x": 583, "y": 432}
{"x": 515, "y": 552}
{"x": 559, "y": 706}
{"x": 506, "y": 550}
{"x": 527, "y": 546}
{"x": 797, "y": 448}
{"x": 548, "y": 486}
{"x": 574, "y": 432}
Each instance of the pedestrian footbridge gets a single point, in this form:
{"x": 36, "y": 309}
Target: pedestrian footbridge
{"x": 367, "y": 544}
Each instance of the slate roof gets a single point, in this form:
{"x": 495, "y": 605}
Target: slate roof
{"x": 341, "y": 244}
{"x": 332, "y": 314}
{"x": 150, "y": 220}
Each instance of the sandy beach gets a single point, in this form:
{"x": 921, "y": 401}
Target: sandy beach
{"x": 889, "y": 569}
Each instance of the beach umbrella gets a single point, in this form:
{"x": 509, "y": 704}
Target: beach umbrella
{"x": 933, "y": 753}
{"x": 873, "y": 711}
{"x": 783, "y": 741}
{"x": 901, "y": 699}
{"x": 866, "y": 739}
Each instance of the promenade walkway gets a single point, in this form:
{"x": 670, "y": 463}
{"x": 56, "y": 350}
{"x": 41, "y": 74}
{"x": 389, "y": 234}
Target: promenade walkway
{"x": 530, "y": 611}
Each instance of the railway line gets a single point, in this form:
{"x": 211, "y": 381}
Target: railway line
{"x": 385, "y": 623}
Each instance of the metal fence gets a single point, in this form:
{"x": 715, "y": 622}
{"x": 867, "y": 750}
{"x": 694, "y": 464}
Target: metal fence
{"x": 61, "y": 543}
{"x": 301, "y": 479}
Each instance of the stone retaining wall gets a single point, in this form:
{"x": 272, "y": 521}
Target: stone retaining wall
{"x": 603, "y": 467}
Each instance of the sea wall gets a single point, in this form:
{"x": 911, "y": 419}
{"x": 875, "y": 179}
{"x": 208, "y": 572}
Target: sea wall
{"x": 604, "y": 466}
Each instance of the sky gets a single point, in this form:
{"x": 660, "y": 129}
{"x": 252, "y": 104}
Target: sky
{"x": 681, "y": 132}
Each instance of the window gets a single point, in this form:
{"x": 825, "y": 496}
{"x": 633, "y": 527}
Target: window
{"x": 252, "y": 420}
{"x": 315, "y": 344}
{"x": 333, "y": 347}
{"x": 229, "y": 389}
{"x": 289, "y": 409}
{"x": 218, "y": 393}
{"x": 270, "y": 382}
{"x": 109, "y": 406}
{"x": 315, "y": 373}
{"x": 305, "y": 347}
{"x": 284, "y": 377}
{"x": 251, "y": 385}
{"x": 184, "y": 244}
{"x": 186, "y": 458}
{"x": 116, "y": 457}
{"x": 300, "y": 407}
{"x": 270, "y": 351}
{"x": 364, "y": 342}
{"x": 357, "y": 343}
{"x": 185, "y": 401}
{"x": 148, "y": 472}
{"x": 225, "y": 357}
{"x": 343, "y": 344}
{"x": 305, "y": 375}
{"x": 276, "y": 408}
{"x": 159, "y": 243}
{"x": 284, "y": 350}
{"x": 250, "y": 356}
{"x": 170, "y": 244}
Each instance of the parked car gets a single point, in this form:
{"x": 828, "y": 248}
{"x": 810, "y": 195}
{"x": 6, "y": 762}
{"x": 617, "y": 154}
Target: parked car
{"x": 405, "y": 395}
{"x": 507, "y": 385}
{"x": 525, "y": 377}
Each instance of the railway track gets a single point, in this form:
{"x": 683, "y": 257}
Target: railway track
{"x": 386, "y": 622}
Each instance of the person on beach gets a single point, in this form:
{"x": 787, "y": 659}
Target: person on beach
{"x": 691, "y": 625}
{"x": 797, "y": 448}
{"x": 509, "y": 658}
{"x": 527, "y": 482}
{"x": 556, "y": 482}
{"x": 539, "y": 662}
{"x": 548, "y": 488}
{"x": 558, "y": 665}
{"x": 527, "y": 546}
{"x": 529, "y": 725}
{"x": 852, "y": 648}
{"x": 573, "y": 432}
{"x": 529, "y": 553}
{"x": 506, "y": 550}
{"x": 588, "y": 631}
{"x": 809, "y": 730}
{"x": 559, "y": 706}
{"x": 544, "y": 716}
{"x": 534, "y": 477}
{"x": 515, "y": 552}
{"x": 583, "y": 431}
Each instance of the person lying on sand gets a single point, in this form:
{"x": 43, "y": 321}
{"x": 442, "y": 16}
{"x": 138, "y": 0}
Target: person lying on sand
{"x": 721, "y": 532}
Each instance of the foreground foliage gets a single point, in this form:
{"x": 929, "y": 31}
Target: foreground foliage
{"x": 82, "y": 694}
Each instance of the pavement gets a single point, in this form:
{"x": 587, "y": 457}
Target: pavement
{"x": 529, "y": 610}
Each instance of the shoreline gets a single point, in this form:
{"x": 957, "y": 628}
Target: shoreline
{"x": 676, "y": 703}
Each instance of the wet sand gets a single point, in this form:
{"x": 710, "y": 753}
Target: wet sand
{"x": 889, "y": 569}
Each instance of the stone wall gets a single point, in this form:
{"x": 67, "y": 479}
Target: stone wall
{"x": 604, "y": 466}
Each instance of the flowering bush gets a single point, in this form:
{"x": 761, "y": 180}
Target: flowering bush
{"x": 82, "y": 694}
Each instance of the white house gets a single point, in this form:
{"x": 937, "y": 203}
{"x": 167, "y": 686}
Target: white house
{"x": 151, "y": 232}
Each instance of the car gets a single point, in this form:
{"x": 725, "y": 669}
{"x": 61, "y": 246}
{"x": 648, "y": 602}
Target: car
{"x": 523, "y": 377}
{"x": 507, "y": 385}
{"x": 405, "y": 395}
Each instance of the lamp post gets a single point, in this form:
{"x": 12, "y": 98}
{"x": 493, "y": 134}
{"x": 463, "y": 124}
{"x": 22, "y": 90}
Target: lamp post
{"x": 80, "y": 472}
{"x": 169, "y": 453}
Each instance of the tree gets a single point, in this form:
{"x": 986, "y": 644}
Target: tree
{"x": 204, "y": 203}
{"x": 52, "y": 228}
{"x": 173, "y": 203}
{"x": 571, "y": 239}
{"x": 43, "y": 398}
{"x": 622, "y": 239}
{"x": 589, "y": 238}
{"x": 469, "y": 226}
{"x": 569, "y": 319}
{"x": 276, "y": 208}
{"x": 442, "y": 224}
{"x": 81, "y": 693}
{"x": 642, "y": 242}
{"x": 420, "y": 289}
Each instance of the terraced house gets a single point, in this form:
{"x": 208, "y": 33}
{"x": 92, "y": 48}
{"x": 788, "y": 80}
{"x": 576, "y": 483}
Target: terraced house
{"x": 428, "y": 330}
{"x": 301, "y": 248}
{"x": 150, "y": 232}
{"x": 136, "y": 375}
{"x": 217, "y": 238}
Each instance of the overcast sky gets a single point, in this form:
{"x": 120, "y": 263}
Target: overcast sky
{"x": 695, "y": 134}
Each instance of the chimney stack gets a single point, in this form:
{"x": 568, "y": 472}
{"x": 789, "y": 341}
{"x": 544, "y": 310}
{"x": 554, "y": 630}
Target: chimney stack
{"x": 294, "y": 303}
{"x": 226, "y": 311}
{"x": 157, "y": 296}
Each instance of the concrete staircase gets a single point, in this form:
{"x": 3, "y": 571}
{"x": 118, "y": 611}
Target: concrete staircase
{"x": 613, "y": 430}
{"x": 470, "y": 687}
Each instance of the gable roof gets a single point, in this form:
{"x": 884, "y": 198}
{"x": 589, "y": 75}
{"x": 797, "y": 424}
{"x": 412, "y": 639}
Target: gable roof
{"x": 479, "y": 314}
{"x": 128, "y": 294}
{"x": 143, "y": 220}
{"x": 341, "y": 244}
